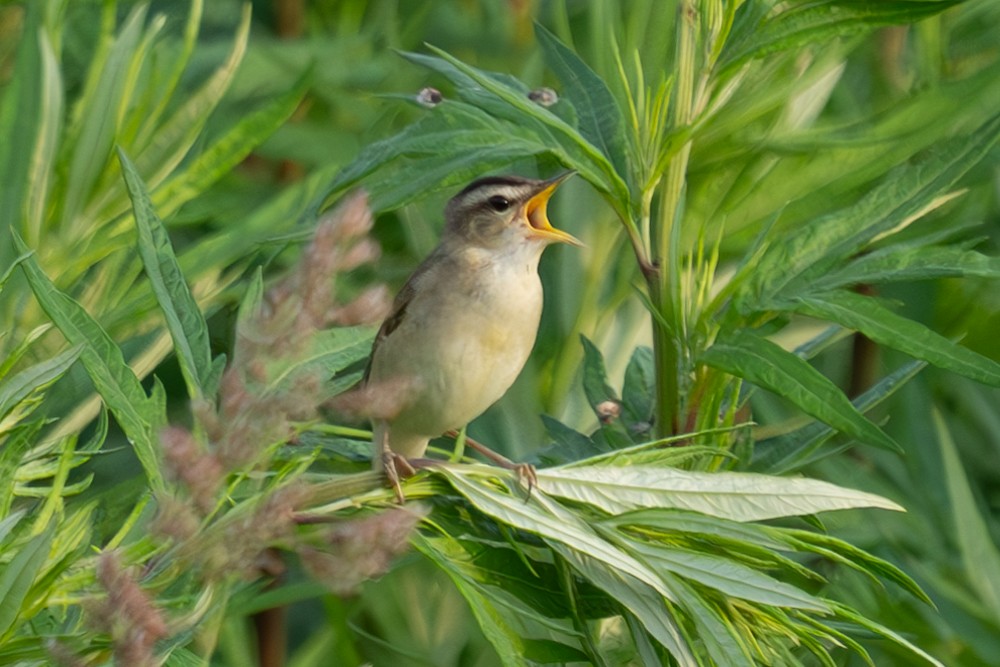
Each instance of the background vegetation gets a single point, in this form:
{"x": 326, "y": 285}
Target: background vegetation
{"x": 758, "y": 183}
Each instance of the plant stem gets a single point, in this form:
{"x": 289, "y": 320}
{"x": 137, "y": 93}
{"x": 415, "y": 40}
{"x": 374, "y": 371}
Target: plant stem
{"x": 665, "y": 236}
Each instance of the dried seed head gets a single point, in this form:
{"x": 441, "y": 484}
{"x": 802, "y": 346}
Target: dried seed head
{"x": 361, "y": 549}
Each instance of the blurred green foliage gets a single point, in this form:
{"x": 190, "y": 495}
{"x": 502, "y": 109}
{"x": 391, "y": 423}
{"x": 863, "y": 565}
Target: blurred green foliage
{"x": 744, "y": 168}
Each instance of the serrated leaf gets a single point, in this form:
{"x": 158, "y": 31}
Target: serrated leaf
{"x": 184, "y": 320}
{"x": 905, "y": 263}
{"x": 105, "y": 363}
{"x": 729, "y": 495}
{"x": 600, "y": 119}
{"x": 885, "y": 327}
{"x": 790, "y": 452}
{"x": 765, "y": 364}
{"x": 810, "y": 252}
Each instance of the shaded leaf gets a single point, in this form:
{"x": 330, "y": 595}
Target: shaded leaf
{"x": 725, "y": 575}
{"x": 599, "y": 117}
{"x": 763, "y": 363}
{"x": 904, "y": 263}
{"x": 804, "y": 255}
{"x": 885, "y": 327}
{"x": 980, "y": 556}
{"x": 19, "y": 575}
{"x": 595, "y": 376}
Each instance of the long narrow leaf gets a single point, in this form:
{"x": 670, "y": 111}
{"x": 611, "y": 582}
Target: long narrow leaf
{"x": 229, "y": 150}
{"x": 729, "y": 495}
{"x": 103, "y": 359}
{"x": 791, "y": 266}
{"x": 980, "y": 556}
{"x": 19, "y": 575}
{"x": 180, "y": 309}
{"x": 885, "y": 327}
{"x": 15, "y": 389}
{"x": 760, "y": 361}
{"x": 600, "y": 119}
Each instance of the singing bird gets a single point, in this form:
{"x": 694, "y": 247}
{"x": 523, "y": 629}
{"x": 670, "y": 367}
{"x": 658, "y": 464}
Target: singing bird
{"x": 462, "y": 326}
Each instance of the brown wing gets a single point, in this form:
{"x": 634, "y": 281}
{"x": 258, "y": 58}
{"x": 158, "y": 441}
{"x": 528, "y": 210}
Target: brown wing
{"x": 398, "y": 312}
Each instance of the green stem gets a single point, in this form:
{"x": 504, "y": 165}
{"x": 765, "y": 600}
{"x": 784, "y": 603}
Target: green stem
{"x": 666, "y": 285}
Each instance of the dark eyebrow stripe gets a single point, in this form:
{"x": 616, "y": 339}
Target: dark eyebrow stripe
{"x": 513, "y": 181}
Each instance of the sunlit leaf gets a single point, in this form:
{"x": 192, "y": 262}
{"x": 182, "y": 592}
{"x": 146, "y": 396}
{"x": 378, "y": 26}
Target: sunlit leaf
{"x": 736, "y": 496}
{"x": 180, "y": 309}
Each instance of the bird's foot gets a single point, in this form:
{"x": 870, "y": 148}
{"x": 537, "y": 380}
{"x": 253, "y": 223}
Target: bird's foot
{"x": 396, "y": 467}
{"x": 525, "y": 472}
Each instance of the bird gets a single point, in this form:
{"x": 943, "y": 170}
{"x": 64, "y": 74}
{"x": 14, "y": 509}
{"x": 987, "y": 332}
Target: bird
{"x": 461, "y": 328}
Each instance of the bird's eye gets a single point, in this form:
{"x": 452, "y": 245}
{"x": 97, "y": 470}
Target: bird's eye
{"x": 498, "y": 203}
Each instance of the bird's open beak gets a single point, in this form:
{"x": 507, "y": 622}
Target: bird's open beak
{"x": 534, "y": 213}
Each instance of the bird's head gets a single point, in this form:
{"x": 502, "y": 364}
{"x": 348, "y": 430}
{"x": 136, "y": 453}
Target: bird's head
{"x": 498, "y": 211}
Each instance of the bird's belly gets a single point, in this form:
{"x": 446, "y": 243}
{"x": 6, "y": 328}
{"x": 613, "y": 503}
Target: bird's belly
{"x": 456, "y": 375}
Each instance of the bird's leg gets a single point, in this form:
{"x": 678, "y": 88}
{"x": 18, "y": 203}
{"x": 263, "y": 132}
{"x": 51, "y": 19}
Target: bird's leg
{"x": 525, "y": 471}
{"x": 393, "y": 464}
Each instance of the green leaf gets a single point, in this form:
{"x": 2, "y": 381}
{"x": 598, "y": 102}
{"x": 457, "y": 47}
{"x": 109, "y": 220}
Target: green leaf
{"x": 810, "y": 23}
{"x": 103, "y": 359}
{"x": 792, "y": 451}
{"x": 883, "y": 631}
{"x": 19, "y": 575}
{"x": 43, "y": 159}
{"x": 170, "y": 141}
{"x": 643, "y": 601}
{"x": 180, "y": 309}
{"x": 547, "y": 519}
{"x": 980, "y": 556}
{"x": 723, "y": 574}
{"x": 595, "y": 376}
{"x": 229, "y": 150}
{"x": 802, "y": 257}
{"x": 728, "y": 495}
{"x": 96, "y": 137}
{"x": 507, "y": 102}
{"x": 600, "y": 119}
{"x": 638, "y": 388}
{"x": 905, "y": 263}
{"x": 20, "y": 116}
{"x": 329, "y": 352}
{"x": 885, "y": 327}
{"x": 16, "y": 389}
{"x": 763, "y": 363}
